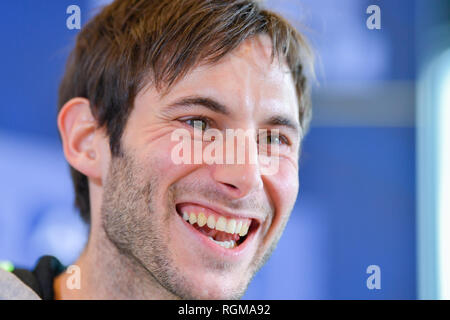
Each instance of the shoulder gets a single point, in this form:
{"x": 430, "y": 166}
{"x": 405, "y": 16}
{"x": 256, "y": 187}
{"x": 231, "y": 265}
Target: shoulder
{"x": 39, "y": 281}
{"x": 12, "y": 288}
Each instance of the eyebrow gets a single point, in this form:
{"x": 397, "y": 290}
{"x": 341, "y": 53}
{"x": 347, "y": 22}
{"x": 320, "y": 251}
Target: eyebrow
{"x": 280, "y": 120}
{"x": 208, "y": 103}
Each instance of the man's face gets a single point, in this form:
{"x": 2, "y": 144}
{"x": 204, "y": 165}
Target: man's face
{"x": 146, "y": 194}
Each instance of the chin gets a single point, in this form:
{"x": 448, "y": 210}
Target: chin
{"x": 206, "y": 284}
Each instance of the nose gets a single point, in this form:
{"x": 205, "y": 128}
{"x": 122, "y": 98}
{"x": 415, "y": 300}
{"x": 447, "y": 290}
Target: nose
{"x": 239, "y": 179}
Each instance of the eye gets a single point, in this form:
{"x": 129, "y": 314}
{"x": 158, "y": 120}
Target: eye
{"x": 201, "y": 123}
{"x": 275, "y": 139}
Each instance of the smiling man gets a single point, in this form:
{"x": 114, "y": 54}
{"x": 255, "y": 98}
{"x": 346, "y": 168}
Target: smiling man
{"x": 142, "y": 69}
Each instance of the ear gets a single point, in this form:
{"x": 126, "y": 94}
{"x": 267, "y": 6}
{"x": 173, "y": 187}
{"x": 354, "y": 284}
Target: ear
{"x": 80, "y": 137}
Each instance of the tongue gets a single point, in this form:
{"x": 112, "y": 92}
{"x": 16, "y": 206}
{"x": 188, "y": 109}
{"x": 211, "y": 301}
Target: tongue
{"x": 217, "y": 235}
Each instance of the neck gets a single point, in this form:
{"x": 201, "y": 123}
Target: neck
{"x": 108, "y": 274}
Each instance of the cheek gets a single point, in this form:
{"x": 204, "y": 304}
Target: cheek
{"x": 282, "y": 188}
{"x": 285, "y": 186}
{"x": 156, "y": 158}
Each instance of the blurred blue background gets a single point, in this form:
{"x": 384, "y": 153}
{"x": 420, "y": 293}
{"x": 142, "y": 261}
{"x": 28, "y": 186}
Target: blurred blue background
{"x": 357, "y": 201}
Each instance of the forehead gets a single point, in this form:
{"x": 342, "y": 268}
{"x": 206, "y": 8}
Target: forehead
{"x": 247, "y": 80}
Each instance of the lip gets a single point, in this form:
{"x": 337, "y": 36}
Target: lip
{"x": 234, "y": 253}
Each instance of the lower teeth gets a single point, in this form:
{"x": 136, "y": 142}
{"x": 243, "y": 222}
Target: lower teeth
{"x": 226, "y": 244}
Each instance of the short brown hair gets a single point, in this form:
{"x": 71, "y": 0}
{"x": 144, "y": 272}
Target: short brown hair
{"x": 131, "y": 43}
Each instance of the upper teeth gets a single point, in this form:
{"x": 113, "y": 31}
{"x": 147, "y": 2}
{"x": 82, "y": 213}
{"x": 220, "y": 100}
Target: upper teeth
{"x": 219, "y": 223}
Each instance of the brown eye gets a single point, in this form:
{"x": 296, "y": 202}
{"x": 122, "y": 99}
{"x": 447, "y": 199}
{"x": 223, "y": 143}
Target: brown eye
{"x": 275, "y": 139}
{"x": 199, "y": 123}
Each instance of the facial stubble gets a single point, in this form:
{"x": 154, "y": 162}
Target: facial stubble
{"x": 131, "y": 225}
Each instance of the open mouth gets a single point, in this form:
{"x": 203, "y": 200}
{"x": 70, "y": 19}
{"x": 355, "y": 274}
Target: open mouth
{"x": 225, "y": 231}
